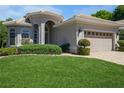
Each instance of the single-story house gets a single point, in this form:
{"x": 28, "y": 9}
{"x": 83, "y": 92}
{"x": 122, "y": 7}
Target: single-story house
{"x": 44, "y": 27}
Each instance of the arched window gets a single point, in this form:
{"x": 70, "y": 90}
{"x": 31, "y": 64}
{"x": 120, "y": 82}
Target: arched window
{"x": 12, "y": 36}
{"x": 48, "y": 31}
{"x": 47, "y": 34}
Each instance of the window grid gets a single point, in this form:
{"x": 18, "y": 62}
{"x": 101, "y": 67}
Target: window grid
{"x": 97, "y": 34}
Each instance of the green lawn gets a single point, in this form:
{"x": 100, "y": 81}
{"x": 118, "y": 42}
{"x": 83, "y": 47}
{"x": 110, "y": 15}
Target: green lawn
{"x": 58, "y": 71}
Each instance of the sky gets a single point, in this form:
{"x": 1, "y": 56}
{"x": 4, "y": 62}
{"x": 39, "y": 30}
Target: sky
{"x": 18, "y": 11}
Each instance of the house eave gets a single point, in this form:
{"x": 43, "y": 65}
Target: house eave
{"x": 90, "y": 21}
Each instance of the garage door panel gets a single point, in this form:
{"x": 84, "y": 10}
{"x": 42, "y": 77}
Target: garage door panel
{"x": 100, "y": 44}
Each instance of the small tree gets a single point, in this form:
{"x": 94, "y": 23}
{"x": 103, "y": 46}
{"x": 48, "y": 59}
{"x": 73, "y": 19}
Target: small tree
{"x": 9, "y": 19}
{"x": 104, "y": 14}
{"x": 82, "y": 50}
{"x": 84, "y": 43}
{"x": 118, "y": 13}
{"x": 121, "y": 35}
{"x": 3, "y": 35}
{"x": 65, "y": 47}
{"x": 121, "y": 45}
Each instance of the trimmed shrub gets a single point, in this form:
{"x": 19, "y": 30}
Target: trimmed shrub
{"x": 7, "y": 51}
{"x": 65, "y": 47}
{"x": 84, "y": 42}
{"x": 83, "y": 51}
{"x": 39, "y": 49}
{"x": 121, "y": 43}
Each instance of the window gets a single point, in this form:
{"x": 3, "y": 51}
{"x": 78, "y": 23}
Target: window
{"x": 106, "y": 34}
{"x": 25, "y": 34}
{"x": 103, "y": 34}
{"x": 97, "y": 33}
{"x": 25, "y": 37}
{"x": 12, "y": 36}
{"x": 88, "y": 33}
{"x": 85, "y": 33}
{"x": 110, "y": 34}
{"x": 93, "y": 33}
{"x": 100, "y": 34}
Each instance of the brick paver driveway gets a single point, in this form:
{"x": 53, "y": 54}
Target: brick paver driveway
{"x": 112, "y": 56}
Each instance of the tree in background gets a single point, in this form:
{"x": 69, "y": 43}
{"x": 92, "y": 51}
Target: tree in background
{"x": 121, "y": 35}
{"x": 118, "y": 13}
{"x": 3, "y": 35}
{"x": 9, "y": 19}
{"x": 103, "y": 14}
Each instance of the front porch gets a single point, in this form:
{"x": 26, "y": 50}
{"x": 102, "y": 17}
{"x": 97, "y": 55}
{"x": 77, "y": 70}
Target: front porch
{"x": 42, "y": 33}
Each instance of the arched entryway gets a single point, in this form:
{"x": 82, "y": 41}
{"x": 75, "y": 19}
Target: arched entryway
{"x": 48, "y": 31}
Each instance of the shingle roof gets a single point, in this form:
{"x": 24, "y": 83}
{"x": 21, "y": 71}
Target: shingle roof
{"x": 89, "y": 19}
{"x": 19, "y": 22}
{"x": 120, "y": 22}
{"x": 45, "y": 13}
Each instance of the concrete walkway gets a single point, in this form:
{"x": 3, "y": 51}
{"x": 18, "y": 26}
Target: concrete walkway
{"x": 112, "y": 56}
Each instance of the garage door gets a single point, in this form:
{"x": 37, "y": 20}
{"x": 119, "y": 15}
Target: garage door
{"x": 100, "y": 41}
{"x": 100, "y": 44}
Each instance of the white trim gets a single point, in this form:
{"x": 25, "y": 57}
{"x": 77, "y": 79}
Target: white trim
{"x": 121, "y": 28}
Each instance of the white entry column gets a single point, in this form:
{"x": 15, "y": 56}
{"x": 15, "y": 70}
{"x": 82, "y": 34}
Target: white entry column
{"x": 42, "y": 33}
{"x": 18, "y": 38}
{"x": 80, "y": 35}
{"x": 114, "y": 42}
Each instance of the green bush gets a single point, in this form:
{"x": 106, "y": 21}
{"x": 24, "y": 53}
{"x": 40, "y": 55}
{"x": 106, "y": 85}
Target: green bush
{"x": 83, "y": 51}
{"x": 120, "y": 48}
{"x": 84, "y": 42}
{"x": 65, "y": 47}
{"x": 7, "y": 51}
{"x": 121, "y": 43}
{"x": 39, "y": 49}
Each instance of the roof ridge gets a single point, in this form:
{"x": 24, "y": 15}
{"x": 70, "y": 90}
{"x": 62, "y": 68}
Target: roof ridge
{"x": 93, "y": 18}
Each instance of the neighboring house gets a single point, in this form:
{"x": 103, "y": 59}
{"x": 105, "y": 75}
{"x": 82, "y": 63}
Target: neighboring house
{"x": 44, "y": 27}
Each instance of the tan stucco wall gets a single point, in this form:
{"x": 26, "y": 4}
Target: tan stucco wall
{"x": 65, "y": 34}
{"x": 38, "y": 19}
{"x": 69, "y": 33}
